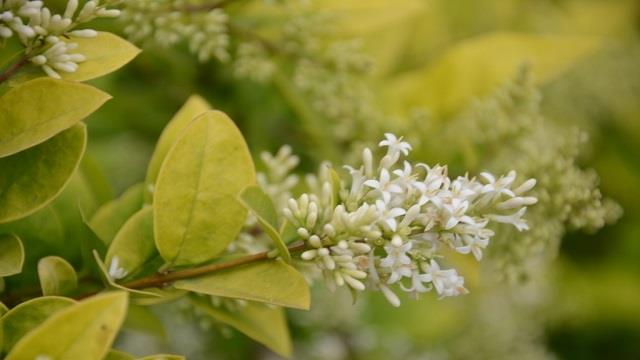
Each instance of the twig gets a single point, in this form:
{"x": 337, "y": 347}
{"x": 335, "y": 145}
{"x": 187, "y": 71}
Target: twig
{"x": 4, "y": 76}
{"x": 163, "y": 279}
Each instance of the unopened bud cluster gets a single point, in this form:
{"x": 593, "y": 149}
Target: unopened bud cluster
{"x": 48, "y": 37}
{"x": 167, "y": 22}
{"x": 384, "y": 228}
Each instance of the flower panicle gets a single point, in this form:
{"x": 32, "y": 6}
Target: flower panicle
{"x": 387, "y": 226}
{"x": 44, "y": 34}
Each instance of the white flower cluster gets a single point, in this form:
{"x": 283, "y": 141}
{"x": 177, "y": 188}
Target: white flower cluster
{"x": 41, "y": 32}
{"x": 388, "y": 223}
{"x": 277, "y": 181}
{"x": 167, "y": 22}
{"x": 252, "y": 62}
{"x": 511, "y": 122}
{"x": 332, "y": 79}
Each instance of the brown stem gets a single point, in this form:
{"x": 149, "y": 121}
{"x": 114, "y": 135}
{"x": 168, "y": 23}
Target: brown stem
{"x": 162, "y": 279}
{"x": 4, "y": 76}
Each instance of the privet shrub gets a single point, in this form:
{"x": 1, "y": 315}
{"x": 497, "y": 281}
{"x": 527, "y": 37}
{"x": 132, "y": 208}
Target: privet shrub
{"x": 205, "y": 229}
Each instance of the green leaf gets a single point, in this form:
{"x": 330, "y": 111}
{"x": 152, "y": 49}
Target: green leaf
{"x": 162, "y": 296}
{"x": 142, "y": 319}
{"x": 270, "y": 281}
{"x": 89, "y": 243}
{"x": 82, "y": 331}
{"x": 109, "y": 218}
{"x": 134, "y": 244}
{"x": 11, "y": 255}
{"x": 162, "y": 357}
{"x": 262, "y": 207}
{"x": 264, "y": 324}
{"x": 196, "y": 213}
{"x": 473, "y": 68}
{"x": 32, "y": 178}
{"x": 41, "y": 108}
{"x": 28, "y": 315}
{"x": 57, "y": 276}
{"x": 96, "y": 179}
{"x": 118, "y": 355}
{"x": 3, "y": 310}
{"x": 194, "y": 106}
{"x": 43, "y": 234}
{"x": 335, "y": 185}
{"x": 105, "y": 53}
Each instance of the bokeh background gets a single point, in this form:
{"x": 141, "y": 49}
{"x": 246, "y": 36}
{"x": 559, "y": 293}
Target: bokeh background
{"x": 438, "y": 55}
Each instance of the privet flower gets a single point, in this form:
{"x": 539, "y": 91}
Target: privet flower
{"x": 329, "y": 74}
{"x": 277, "y": 181}
{"x": 385, "y": 226}
{"x": 511, "y": 122}
{"x": 41, "y": 32}
{"x": 167, "y": 22}
{"x": 116, "y": 272}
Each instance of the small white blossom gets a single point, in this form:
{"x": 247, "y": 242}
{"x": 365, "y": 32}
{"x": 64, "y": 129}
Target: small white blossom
{"x": 395, "y": 144}
{"x": 446, "y": 282}
{"x": 397, "y": 260}
{"x": 115, "y": 271}
{"x": 390, "y": 222}
{"x": 40, "y": 31}
{"x": 384, "y": 185}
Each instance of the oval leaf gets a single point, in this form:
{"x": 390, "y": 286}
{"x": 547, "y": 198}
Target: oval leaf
{"x": 104, "y": 53}
{"x": 110, "y": 217}
{"x": 162, "y": 357}
{"x": 194, "y": 106}
{"x": 3, "y": 310}
{"x": 196, "y": 214}
{"x": 133, "y": 246}
{"x": 476, "y": 66}
{"x": 82, "y": 331}
{"x": 57, "y": 276}
{"x": 260, "y": 204}
{"x": 28, "y": 315}
{"x": 271, "y": 281}
{"x": 11, "y": 255}
{"x": 118, "y": 355}
{"x": 32, "y": 178}
{"x": 264, "y": 324}
{"x": 41, "y": 108}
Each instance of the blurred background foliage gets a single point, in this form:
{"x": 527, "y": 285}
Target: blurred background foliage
{"x": 438, "y": 57}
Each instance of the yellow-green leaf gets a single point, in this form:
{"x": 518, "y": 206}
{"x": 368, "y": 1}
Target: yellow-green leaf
{"x": 196, "y": 212}
{"x": 3, "y": 310}
{"x": 142, "y": 319}
{"x": 105, "y": 53}
{"x": 194, "y": 106}
{"x": 41, "y": 108}
{"x": 57, "y": 276}
{"x": 476, "y": 66}
{"x": 28, "y": 315}
{"x": 11, "y": 255}
{"x": 110, "y": 217}
{"x": 32, "y": 178}
{"x": 162, "y": 357}
{"x": 82, "y": 331}
{"x": 264, "y": 324}
{"x": 271, "y": 281}
{"x": 118, "y": 355}
{"x": 262, "y": 207}
{"x": 134, "y": 245}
